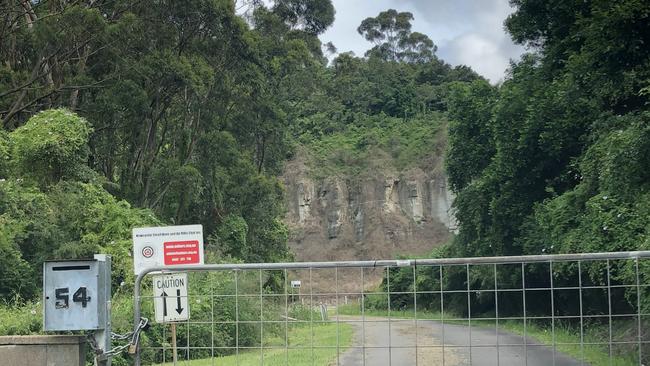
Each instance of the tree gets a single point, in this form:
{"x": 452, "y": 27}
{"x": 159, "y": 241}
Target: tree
{"x": 471, "y": 140}
{"x": 52, "y": 205}
{"x": 311, "y": 16}
{"x": 51, "y": 146}
{"x": 390, "y": 31}
{"x": 47, "y": 50}
{"x": 562, "y": 165}
{"x": 416, "y": 47}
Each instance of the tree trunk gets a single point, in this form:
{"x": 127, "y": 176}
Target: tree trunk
{"x": 74, "y": 96}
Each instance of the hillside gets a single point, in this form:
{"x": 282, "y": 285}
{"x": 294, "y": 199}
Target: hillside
{"x": 386, "y": 199}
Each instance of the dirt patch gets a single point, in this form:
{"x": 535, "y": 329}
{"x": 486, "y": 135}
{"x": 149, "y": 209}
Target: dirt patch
{"x": 429, "y": 353}
{"x": 380, "y": 342}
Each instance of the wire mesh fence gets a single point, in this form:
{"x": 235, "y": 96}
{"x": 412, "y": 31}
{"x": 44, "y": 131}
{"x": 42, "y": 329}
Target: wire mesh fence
{"x": 583, "y": 309}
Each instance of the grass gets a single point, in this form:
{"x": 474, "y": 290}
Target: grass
{"x": 21, "y": 320}
{"x": 324, "y": 335}
{"x": 595, "y": 355}
{"x": 374, "y": 140}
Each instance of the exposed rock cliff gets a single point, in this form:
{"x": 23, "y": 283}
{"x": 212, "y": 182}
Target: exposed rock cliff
{"x": 375, "y": 216}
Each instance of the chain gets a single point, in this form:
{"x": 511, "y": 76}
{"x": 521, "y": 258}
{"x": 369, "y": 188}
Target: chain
{"x": 92, "y": 343}
{"x": 134, "y": 338}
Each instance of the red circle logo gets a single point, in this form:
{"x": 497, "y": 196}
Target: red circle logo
{"x": 147, "y": 252}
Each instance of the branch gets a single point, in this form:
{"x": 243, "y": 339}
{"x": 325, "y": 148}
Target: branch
{"x": 15, "y": 107}
{"x": 25, "y": 106}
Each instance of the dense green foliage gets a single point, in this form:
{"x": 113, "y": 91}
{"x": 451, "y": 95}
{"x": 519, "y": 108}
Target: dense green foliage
{"x": 179, "y": 109}
{"x": 380, "y": 140}
{"x": 558, "y": 155}
{"x": 53, "y": 146}
{"x": 554, "y": 160}
{"x": 385, "y": 108}
{"x": 53, "y": 206}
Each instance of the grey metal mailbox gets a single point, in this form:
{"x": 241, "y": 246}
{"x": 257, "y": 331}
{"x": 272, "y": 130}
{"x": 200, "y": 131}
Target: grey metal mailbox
{"x": 76, "y": 294}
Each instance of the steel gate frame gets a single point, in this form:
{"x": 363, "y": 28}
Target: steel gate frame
{"x": 637, "y": 256}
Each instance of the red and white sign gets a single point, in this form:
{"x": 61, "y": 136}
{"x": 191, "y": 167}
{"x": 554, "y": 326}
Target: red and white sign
{"x": 181, "y": 252}
{"x": 167, "y": 246}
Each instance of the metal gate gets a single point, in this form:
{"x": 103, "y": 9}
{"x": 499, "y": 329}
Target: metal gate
{"x": 573, "y": 309}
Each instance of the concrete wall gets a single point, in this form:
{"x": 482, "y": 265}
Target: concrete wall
{"x": 55, "y": 350}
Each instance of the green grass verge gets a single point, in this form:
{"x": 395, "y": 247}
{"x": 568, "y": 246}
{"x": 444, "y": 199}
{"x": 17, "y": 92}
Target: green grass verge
{"x": 21, "y": 320}
{"x": 595, "y": 355}
{"x": 299, "y": 336}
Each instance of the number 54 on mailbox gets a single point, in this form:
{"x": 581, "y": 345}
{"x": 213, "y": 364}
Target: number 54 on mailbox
{"x": 76, "y": 294}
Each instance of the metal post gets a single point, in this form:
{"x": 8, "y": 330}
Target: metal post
{"x": 550, "y": 265}
{"x": 135, "y": 348}
{"x": 415, "y": 312}
{"x": 442, "y": 314}
{"x": 390, "y": 331}
{"x": 496, "y": 312}
{"x": 469, "y": 313}
{"x": 103, "y": 336}
{"x": 286, "y": 317}
{"x": 261, "y": 318}
{"x": 638, "y": 309}
{"x": 609, "y": 311}
{"x": 363, "y": 317}
{"x": 338, "y": 316}
{"x": 582, "y": 322}
{"x": 236, "y": 317}
{"x": 311, "y": 315}
{"x": 523, "y": 300}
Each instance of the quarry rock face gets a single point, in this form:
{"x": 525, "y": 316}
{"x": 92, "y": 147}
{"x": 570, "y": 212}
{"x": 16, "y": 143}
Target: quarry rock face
{"x": 374, "y": 217}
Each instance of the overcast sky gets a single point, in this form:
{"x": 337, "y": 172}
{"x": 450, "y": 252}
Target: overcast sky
{"x": 466, "y": 32}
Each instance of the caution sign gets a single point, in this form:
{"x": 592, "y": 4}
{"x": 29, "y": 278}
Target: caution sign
{"x": 167, "y": 246}
{"x": 170, "y": 298}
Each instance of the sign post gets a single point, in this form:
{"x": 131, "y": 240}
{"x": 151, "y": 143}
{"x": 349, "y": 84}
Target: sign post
{"x": 174, "y": 345}
{"x": 295, "y": 284}
{"x": 170, "y": 302}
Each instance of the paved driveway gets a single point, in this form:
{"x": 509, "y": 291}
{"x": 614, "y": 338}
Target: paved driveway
{"x": 401, "y": 336}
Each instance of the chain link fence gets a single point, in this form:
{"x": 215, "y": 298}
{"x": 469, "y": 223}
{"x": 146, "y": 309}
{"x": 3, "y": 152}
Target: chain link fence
{"x": 582, "y": 309}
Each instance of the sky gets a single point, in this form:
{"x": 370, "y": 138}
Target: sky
{"x": 468, "y": 32}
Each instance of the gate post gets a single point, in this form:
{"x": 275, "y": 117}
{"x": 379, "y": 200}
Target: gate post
{"x": 103, "y": 336}
{"x": 134, "y": 349}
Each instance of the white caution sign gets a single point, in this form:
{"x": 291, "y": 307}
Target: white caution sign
{"x": 170, "y": 297}
{"x": 167, "y": 246}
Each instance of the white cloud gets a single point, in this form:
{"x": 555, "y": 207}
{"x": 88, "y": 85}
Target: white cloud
{"x": 349, "y": 14}
{"x": 481, "y": 53}
{"x": 467, "y": 32}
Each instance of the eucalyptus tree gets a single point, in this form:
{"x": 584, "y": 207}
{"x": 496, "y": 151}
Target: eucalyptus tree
{"x": 391, "y": 33}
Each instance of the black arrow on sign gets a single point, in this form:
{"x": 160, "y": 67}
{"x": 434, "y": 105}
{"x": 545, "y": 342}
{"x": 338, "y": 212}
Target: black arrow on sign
{"x": 179, "y": 309}
{"x": 164, "y": 298}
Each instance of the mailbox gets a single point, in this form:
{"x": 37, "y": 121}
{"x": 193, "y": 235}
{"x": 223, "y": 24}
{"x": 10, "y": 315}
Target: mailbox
{"x": 76, "y": 294}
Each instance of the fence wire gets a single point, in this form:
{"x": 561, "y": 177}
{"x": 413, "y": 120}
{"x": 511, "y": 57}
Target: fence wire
{"x": 583, "y": 309}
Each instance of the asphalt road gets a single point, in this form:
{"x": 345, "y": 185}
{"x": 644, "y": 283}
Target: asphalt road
{"x": 401, "y": 336}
